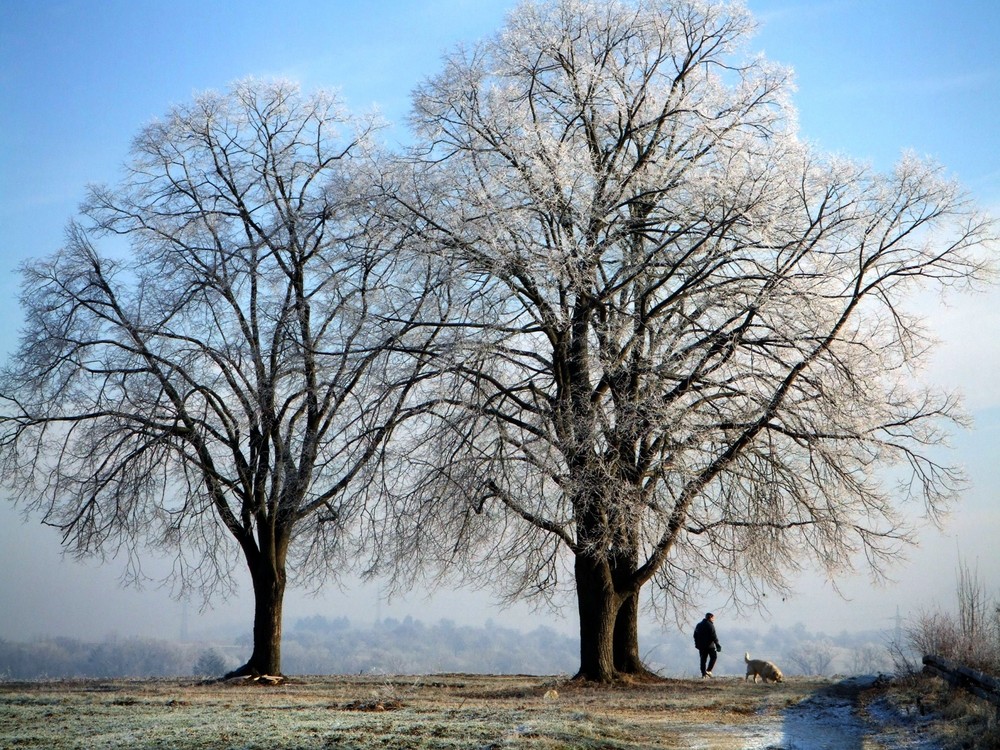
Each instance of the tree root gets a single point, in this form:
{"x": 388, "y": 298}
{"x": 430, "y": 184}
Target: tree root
{"x": 250, "y": 674}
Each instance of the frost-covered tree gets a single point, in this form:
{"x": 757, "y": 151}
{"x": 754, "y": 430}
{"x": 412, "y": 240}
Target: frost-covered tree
{"x": 218, "y": 385}
{"x": 687, "y": 360}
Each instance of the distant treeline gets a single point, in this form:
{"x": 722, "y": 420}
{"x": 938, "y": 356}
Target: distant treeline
{"x": 314, "y": 645}
{"x": 114, "y": 657}
{"x": 318, "y": 645}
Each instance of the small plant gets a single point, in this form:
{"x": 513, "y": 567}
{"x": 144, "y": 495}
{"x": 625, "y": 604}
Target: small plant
{"x": 210, "y": 664}
{"x": 971, "y": 637}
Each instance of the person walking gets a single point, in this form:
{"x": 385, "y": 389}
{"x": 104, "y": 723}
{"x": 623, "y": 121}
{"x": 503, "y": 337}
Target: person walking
{"x": 707, "y": 643}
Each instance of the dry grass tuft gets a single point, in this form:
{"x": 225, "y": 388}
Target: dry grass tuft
{"x": 374, "y": 705}
{"x": 956, "y": 719}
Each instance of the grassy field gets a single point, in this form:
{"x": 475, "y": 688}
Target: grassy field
{"x": 437, "y": 711}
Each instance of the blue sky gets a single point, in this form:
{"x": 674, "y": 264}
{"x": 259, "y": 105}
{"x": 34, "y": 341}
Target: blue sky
{"x": 78, "y": 78}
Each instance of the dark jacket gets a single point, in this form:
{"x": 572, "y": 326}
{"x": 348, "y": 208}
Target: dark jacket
{"x": 705, "y": 637}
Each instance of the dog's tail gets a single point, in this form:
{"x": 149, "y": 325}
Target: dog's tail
{"x": 746, "y": 657}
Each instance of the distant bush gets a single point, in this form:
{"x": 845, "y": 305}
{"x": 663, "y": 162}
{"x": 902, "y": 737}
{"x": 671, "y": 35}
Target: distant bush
{"x": 210, "y": 664}
{"x": 970, "y": 636}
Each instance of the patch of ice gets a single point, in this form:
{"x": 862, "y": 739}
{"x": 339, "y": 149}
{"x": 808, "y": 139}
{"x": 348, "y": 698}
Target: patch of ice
{"x": 828, "y": 720}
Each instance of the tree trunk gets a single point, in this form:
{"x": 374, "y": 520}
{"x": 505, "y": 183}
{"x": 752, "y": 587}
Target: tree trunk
{"x": 624, "y": 560}
{"x": 598, "y": 607}
{"x": 269, "y": 594}
{"x": 626, "y": 639}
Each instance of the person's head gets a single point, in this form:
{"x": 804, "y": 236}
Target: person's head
{"x": 709, "y": 616}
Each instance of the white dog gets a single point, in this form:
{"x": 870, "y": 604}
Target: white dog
{"x": 765, "y": 669}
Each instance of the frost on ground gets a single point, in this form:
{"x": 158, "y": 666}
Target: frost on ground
{"x": 458, "y": 712}
{"x": 834, "y": 718}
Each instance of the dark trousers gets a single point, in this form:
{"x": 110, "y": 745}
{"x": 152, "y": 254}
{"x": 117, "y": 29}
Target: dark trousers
{"x": 708, "y": 655}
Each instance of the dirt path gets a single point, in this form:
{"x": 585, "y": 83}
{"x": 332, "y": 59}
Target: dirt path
{"x": 827, "y": 720}
{"x": 832, "y": 718}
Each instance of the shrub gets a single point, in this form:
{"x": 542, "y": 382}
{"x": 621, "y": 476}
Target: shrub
{"x": 210, "y": 664}
{"x": 970, "y": 636}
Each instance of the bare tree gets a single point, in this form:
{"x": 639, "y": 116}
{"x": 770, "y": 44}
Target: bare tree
{"x": 869, "y": 658}
{"x": 687, "y": 356}
{"x": 974, "y": 605}
{"x": 230, "y": 374}
{"x": 813, "y": 658}
{"x": 970, "y": 635}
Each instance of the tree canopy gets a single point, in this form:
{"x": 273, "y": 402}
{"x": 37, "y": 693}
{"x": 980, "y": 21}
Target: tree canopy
{"x": 688, "y": 360}
{"x": 230, "y": 372}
